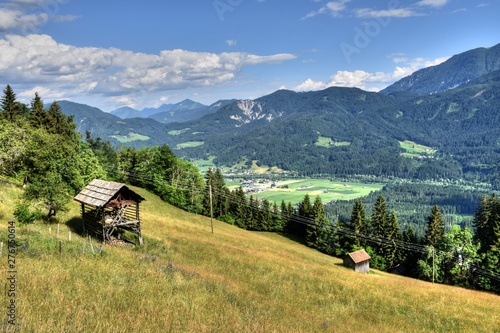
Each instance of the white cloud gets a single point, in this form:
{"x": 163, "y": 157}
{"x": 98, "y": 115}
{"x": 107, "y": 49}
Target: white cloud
{"x": 40, "y": 60}
{"x": 11, "y": 19}
{"x": 231, "y": 42}
{"x": 369, "y": 81}
{"x": 333, "y": 8}
{"x": 432, "y": 3}
{"x": 310, "y": 84}
{"x": 396, "y": 12}
{"x": 28, "y": 15}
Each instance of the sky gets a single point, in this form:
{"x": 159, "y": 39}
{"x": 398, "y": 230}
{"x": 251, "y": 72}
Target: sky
{"x": 114, "y": 53}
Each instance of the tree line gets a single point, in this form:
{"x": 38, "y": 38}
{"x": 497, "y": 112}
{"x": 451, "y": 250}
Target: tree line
{"x": 42, "y": 149}
{"x": 463, "y": 256}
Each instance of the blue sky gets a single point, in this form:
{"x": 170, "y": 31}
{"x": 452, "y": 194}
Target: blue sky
{"x": 145, "y": 53}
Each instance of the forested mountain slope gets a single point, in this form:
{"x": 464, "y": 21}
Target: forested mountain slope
{"x": 341, "y": 131}
{"x": 458, "y": 70}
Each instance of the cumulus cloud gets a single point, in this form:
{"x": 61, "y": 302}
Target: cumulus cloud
{"x": 369, "y": 81}
{"x": 395, "y": 12}
{"x": 432, "y": 3}
{"x": 231, "y": 42}
{"x": 27, "y": 16}
{"x": 394, "y": 9}
{"x": 114, "y": 72}
{"x": 333, "y": 8}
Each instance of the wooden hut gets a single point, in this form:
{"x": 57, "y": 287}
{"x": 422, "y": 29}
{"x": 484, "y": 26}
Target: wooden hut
{"x": 108, "y": 207}
{"x": 359, "y": 261}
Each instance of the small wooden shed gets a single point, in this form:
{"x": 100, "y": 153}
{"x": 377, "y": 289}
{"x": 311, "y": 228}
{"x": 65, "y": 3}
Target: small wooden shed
{"x": 108, "y": 207}
{"x": 359, "y": 261}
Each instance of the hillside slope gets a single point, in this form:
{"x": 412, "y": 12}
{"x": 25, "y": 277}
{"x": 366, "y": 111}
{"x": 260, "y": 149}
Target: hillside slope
{"x": 456, "y": 71}
{"x": 186, "y": 279}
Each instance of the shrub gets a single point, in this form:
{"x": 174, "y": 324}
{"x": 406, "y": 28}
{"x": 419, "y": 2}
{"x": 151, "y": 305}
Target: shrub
{"x": 24, "y": 215}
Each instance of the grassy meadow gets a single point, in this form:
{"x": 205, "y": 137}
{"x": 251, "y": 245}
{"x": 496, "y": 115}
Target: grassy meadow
{"x": 186, "y": 279}
{"x": 131, "y": 137}
{"x": 415, "y": 150}
{"x": 294, "y": 190}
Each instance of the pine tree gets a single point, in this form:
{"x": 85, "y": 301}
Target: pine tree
{"x": 392, "y": 235}
{"x": 276, "y": 221}
{"x": 59, "y": 123}
{"x": 487, "y": 223}
{"x": 379, "y": 221}
{"x": 410, "y": 257}
{"x": 265, "y": 216}
{"x": 303, "y": 218}
{"x": 358, "y": 222}
{"x": 38, "y": 116}
{"x": 318, "y": 216}
{"x": 10, "y": 107}
{"x": 435, "y": 227}
{"x": 305, "y": 207}
{"x": 253, "y": 216}
{"x": 483, "y": 222}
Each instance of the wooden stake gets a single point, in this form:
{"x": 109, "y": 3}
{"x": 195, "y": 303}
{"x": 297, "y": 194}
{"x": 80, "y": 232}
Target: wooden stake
{"x": 58, "y": 230}
{"x": 60, "y": 248}
{"x": 69, "y": 236}
{"x": 1, "y": 248}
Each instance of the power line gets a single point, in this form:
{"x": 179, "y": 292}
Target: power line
{"x": 308, "y": 222}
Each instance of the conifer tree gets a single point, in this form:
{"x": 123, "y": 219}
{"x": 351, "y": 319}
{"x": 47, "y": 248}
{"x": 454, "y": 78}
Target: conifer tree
{"x": 410, "y": 257}
{"x": 59, "y": 123}
{"x": 38, "y": 116}
{"x": 318, "y": 216}
{"x": 276, "y": 221}
{"x": 379, "y": 217}
{"x": 358, "y": 222}
{"x": 305, "y": 214}
{"x": 435, "y": 227}
{"x": 305, "y": 207}
{"x": 265, "y": 216}
{"x": 483, "y": 222}
{"x": 379, "y": 221}
{"x": 487, "y": 223}
{"x": 252, "y": 221}
{"x": 10, "y": 107}
{"x": 392, "y": 235}
{"x": 284, "y": 213}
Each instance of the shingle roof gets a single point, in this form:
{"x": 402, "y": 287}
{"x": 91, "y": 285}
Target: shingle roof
{"x": 359, "y": 256}
{"x": 99, "y": 192}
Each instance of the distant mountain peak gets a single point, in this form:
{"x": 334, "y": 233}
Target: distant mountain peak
{"x": 454, "y": 72}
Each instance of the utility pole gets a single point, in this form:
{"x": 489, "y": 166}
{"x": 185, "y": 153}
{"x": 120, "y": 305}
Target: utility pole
{"x": 211, "y": 209}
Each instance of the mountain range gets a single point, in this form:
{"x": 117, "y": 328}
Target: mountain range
{"x": 185, "y": 110}
{"x": 451, "y": 109}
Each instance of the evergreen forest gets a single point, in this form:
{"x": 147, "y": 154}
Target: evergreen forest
{"x": 42, "y": 150}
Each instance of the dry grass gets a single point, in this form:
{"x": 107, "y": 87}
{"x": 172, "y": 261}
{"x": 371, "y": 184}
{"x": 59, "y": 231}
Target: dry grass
{"x": 186, "y": 279}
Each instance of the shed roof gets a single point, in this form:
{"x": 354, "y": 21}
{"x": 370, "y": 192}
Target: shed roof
{"x": 99, "y": 192}
{"x": 359, "y": 256}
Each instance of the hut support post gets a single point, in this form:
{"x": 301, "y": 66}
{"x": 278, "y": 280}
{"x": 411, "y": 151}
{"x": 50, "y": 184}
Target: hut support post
{"x": 138, "y": 223}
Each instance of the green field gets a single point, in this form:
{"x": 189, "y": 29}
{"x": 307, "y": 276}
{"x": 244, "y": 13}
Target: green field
{"x": 414, "y": 150}
{"x": 326, "y": 189}
{"x": 190, "y": 144}
{"x": 204, "y": 164}
{"x": 178, "y": 132}
{"x": 329, "y": 143}
{"x": 130, "y": 137}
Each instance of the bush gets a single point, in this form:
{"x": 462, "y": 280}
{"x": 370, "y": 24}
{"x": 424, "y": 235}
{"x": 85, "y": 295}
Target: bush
{"x": 25, "y": 216}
